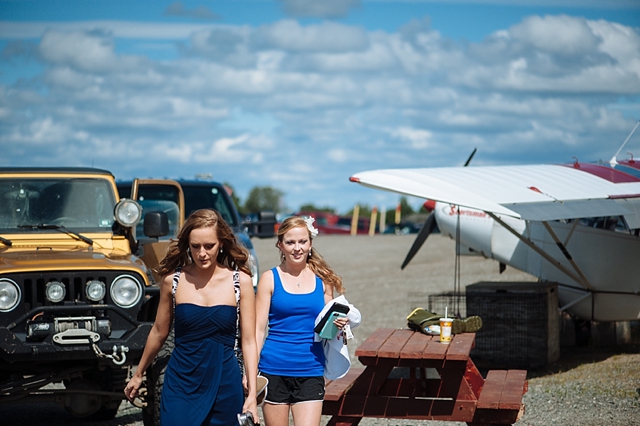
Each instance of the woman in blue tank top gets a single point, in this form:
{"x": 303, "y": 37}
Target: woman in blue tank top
{"x": 290, "y": 297}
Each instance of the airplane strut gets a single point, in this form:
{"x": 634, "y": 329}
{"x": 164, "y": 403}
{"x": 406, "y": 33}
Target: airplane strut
{"x": 567, "y": 255}
{"x": 540, "y": 251}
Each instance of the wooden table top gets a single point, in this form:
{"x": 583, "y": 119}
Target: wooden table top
{"x": 404, "y": 347}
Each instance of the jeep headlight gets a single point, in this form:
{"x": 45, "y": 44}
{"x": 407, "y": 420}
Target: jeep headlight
{"x": 9, "y": 294}
{"x": 55, "y": 291}
{"x": 126, "y": 291}
{"x": 128, "y": 213}
{"x": 95, "y": 290}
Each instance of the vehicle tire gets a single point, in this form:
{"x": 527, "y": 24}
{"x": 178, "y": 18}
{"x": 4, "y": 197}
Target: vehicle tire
{"x": 105, "y": 413}
{"x": 112, "y": 380}
{"x": 155, "y": 381}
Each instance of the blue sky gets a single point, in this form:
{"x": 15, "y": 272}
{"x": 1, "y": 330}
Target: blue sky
{"x": 301, "y": 94}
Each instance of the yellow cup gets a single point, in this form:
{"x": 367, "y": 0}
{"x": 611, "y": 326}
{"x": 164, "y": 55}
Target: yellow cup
{"x": 445, "y": 330}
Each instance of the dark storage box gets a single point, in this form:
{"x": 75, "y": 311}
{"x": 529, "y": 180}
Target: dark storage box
{"x": 455, "y": 304}
{"x": 520, "y": 324}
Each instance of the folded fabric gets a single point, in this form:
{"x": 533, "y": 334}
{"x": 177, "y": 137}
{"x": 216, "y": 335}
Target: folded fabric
{"x": 336, "y": 354}
{"x": 420, "y": 315}
{"x": 425, "y": 321}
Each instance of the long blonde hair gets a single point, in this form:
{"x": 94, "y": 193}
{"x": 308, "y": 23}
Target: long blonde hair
{"x": 232, "y": 254}
{"x": 315, "y": 262}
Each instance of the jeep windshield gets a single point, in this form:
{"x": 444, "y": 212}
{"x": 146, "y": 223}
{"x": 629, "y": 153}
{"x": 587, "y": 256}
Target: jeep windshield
{"x": 39, "y": 205}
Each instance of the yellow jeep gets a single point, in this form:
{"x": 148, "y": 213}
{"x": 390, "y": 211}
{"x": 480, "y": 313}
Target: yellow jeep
{"x": 77, "y": 296}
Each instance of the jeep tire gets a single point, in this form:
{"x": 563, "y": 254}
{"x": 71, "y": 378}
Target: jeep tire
{"x": 155, "y": 381}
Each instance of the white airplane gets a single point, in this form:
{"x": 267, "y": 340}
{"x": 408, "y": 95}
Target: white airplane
{"x": 575, "y": 224}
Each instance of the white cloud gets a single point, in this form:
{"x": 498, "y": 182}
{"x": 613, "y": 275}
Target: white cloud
{"x": 559, "y": 54}
{"x": 221, "y": 43}
{"x": 234, "y": 151}
{"x": 610, "y": 4}
{"x": 181, "y": 152}
{"x": 338, "y": 155}
{"x": 289, "y": 35}
{"x": 562, "y": 34}
{"x": 84, "y": 51}
{"x": 619, "y": 42}
{"x": 200, "y": 12}
{"x": 303, "y": 107}
{"x": 319, "y": 9}
{"x": 417, "y": 138}
{"x": 377, "y": 58}
{"x": 119, "y": 29}
{"x": 43, "y": 132}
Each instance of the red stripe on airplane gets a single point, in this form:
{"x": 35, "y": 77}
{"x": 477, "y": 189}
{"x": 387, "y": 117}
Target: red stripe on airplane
{"x": 630, "y": 163}
{"x": 604, "y": 172}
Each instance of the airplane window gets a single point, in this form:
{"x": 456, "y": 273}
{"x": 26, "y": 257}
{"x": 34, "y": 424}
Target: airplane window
{"x": 609, "y": 223}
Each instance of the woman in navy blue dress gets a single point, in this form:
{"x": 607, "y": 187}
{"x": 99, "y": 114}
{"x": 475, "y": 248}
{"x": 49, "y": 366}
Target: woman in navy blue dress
{"x": 290, "y": 297}
{"x": 203, "y": 383}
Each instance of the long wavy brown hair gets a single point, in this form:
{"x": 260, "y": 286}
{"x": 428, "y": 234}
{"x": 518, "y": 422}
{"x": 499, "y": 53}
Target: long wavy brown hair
{"x": 315, "y": 261}
{"x": 233, "y": 255}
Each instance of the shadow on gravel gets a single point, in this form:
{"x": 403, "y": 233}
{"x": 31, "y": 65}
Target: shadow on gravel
{"x": 54, "y": 415}
{"x": 573, "y": 357}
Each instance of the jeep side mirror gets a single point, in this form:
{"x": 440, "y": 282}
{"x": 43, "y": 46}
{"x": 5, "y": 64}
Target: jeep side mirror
{"x": 156, "y": 224}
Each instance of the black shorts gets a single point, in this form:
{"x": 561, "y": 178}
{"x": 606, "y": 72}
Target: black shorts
{"x": 292, "y": 390}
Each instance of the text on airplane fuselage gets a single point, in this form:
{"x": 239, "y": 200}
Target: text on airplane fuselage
{"x": 455, "y": 210}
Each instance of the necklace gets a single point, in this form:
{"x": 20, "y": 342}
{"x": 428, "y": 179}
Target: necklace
{"x": 298, "y": 278}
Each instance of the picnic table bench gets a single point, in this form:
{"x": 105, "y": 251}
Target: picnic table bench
{"x": 410, "y": 375}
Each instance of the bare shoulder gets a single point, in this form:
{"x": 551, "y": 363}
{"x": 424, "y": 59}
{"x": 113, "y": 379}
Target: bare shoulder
{"x": 246, "y": 283}
{"x": 167, "y": 281}
{"x": 267, "y": 277}
{"x": 265, "y": 284}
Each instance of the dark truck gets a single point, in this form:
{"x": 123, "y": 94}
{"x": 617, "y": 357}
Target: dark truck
{"x": 77, "y": 297}
{"x": 204, "y": 194}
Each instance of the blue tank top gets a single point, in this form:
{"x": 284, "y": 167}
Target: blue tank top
{"x": 289, "y": 349}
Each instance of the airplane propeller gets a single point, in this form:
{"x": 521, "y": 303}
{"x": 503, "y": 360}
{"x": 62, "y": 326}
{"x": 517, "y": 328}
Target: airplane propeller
{"x": 428, "y": 227}
{"x": 470, "y": 157}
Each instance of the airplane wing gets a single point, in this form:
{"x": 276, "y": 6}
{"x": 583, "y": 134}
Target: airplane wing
{"x": 530, "y": 192}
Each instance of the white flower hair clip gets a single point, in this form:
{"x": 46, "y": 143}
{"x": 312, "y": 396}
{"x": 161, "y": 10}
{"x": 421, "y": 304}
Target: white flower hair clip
{"x": 312, "y": 230}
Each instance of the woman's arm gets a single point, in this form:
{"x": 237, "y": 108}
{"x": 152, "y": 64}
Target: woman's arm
{"x": 328, "y": 297}
{"x": 156, "y": 338}
{"x": 263, "y": 304}
{"x": 328, "y": 293}
{"x": 249, "y": 347}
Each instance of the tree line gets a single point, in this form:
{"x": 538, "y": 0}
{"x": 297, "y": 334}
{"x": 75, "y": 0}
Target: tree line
{"x": 263, "y": 198}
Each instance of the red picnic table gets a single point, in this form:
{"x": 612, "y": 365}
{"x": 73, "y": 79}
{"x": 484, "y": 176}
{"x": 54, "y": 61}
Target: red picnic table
{"x": 410, "y": 375}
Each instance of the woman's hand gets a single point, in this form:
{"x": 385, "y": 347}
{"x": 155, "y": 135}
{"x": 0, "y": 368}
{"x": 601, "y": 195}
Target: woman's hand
{"x": 341, "y": 322}
{"x": 131, "y": 390}
{"x": 251, "y": 406}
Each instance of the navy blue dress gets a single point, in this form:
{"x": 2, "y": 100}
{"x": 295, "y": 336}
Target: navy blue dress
{"x": 202, "y": 384}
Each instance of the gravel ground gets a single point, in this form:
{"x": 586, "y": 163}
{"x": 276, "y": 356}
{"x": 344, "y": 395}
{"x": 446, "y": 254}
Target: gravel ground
{"x": 588, "y": 386}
